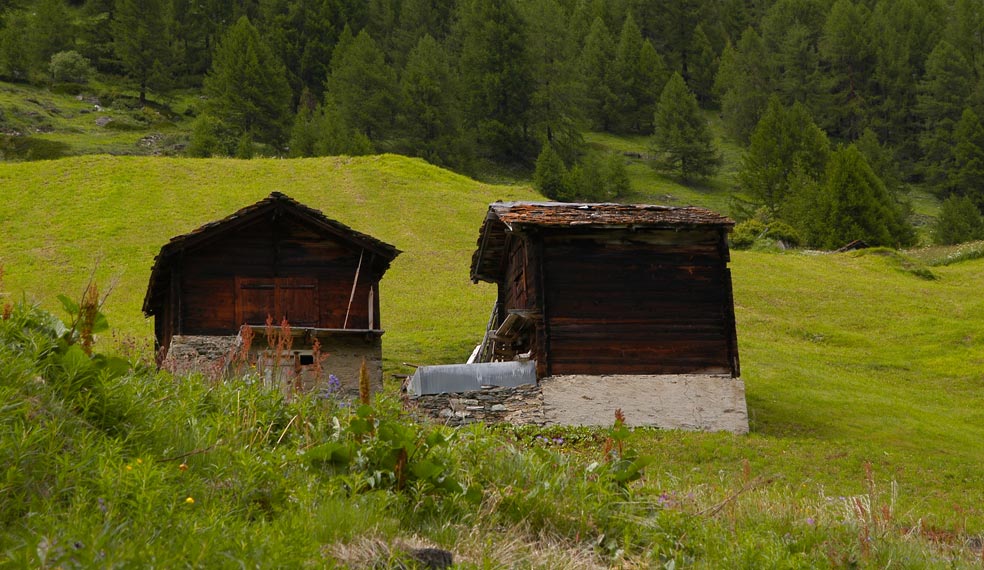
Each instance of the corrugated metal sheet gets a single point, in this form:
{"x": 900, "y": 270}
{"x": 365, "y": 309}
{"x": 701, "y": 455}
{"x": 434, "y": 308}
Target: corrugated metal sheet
{"x": 453, "y": 378}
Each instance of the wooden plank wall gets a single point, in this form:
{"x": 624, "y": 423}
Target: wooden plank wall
{"x": 622, "y": 303}
{"x": 288, "y": 255}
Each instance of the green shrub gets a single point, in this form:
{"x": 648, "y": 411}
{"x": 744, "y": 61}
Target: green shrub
{"x": 781, "y": 231}
{"x": 745, "y": 233}
{"x": 70, "y": 67}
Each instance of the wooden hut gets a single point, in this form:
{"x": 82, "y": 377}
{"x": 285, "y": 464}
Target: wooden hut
{"x": 279, "y": 259}
{"x": 610, "y": 288}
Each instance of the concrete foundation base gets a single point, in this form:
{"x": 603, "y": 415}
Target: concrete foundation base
{"x": 686, "y": 401}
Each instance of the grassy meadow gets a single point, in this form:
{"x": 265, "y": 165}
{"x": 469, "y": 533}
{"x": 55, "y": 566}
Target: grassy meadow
{"x": 864, "y": 386}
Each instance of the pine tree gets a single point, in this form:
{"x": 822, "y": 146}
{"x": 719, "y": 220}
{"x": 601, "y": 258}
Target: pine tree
{"x": 905, "y": 31}
{"x": 617, "y": 183}
{"x": 246, "y": 87}
{"x": 682, "y": 140}
{"x": 431, "y": 118}
{"x": 967, "y": 177}
{"x": 854, "y": 205}
{"x": 141, "y": 44}
{"x": 15, "y": 61}
{"x": 882, "y": 161}
{"x": 626, "y": 77}
{"x": 596, "y": 71}
{"x": 549, "y": 177}
{"x": 557, "y": 99}
{"x": 650, "y": 82}
{"x": 743, "y": 85}
{"x": 496, "y": 77}
{"x": 303, "y": 35}
{"x": 363, "y": 87}
{"x": 943, "y": 94}
{"x": 959, "y": 221}
{"x": 52, "y": 31}
{"x": 848, "y": 51}
{"x": 701, "y": 66}
{"x": 785, "y": 141}
{"x": 965, "y": 30}
{"x": 791, "y": 31}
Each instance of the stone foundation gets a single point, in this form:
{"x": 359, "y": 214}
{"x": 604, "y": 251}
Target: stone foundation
{"x": 689, "y": 402}
{"x": 519, "y": 405}
{"x": 214, "y": 357}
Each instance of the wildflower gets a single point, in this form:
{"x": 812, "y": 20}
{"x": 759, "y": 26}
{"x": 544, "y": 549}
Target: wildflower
{"x": 129, "y": 467}
{"x": 810, "y": 521}
{"x": 139, "y": 461}
{"x": 183, "y": 467}
{"x": 190, "y": 501}
{"x": 102, "y": 505}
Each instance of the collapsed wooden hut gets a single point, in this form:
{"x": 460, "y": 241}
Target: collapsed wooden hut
{"x": 272, "y": 261}
{"x": 641, "y": 293}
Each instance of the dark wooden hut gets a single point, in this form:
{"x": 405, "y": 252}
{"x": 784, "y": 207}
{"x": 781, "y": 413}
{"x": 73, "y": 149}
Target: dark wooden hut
{"x": 598, "y": 289}
{"x": 276, "y": 258}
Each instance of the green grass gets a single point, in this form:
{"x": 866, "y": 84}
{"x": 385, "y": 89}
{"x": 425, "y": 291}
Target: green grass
{"x": 50, "y": 124}
{"x": 848, "y": 359}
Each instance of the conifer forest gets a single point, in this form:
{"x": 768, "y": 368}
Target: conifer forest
{"x": 839, "y": 106}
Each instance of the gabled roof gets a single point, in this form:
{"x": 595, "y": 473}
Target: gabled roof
{"x": 505, "y": 217}
{"x": 274, "y": 205}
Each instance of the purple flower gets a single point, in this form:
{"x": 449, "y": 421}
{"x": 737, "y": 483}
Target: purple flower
{"x": 810, "y": 521}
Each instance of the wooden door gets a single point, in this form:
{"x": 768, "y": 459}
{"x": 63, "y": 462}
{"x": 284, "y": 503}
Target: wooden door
{"x": 291, "y": 298}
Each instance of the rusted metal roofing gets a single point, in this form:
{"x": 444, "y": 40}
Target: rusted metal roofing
{"x": 505, "y": 217}
{"x": 275, "y": 202}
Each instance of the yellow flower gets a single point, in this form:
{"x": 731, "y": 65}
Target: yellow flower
{"x": 129, "y": 467}
{"x": 139, "y": 461}
{"x": 190, "y": 501}
{"x": 183, "y": 467}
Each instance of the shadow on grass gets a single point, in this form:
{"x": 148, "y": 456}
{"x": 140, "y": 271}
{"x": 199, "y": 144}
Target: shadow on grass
{"x": 20, "y": 148}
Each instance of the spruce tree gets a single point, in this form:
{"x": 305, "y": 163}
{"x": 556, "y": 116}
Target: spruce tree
{"x": 52, "y": 31}
{"x": 496, "y": 77}
{"x": 626, "y": 77}
{"x": 743, "y": 85}
{"x": 959, "y": 220}
{"x": 854, "y": 205}
{"x": 701, "y": 66}
{"x": 549, "y": 177}
{"x": 431, "y": 118}
{"x": 557, "y": 100}
{"x": 882, "y": 161}
{"x": 363, "y": 87}
{"x": 905, "y": 32}
{"x": 849, "y": 54}
{"x": 596, "y": 71}
{"x": 785, "y": 141}
{"x": 682, "y": 140}
{"x": 650, "y": 82}
{"x": 140, "y": 42}
{"x": 943, "y": 94}
{"x": 246, "y": 87}
{"x": 967, "y": 177}
{"x": 791, "y": 31}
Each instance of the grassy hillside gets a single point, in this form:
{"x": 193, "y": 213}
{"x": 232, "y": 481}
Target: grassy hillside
{"x": 62, "y": 218}
{"x": 848, "y": 360}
